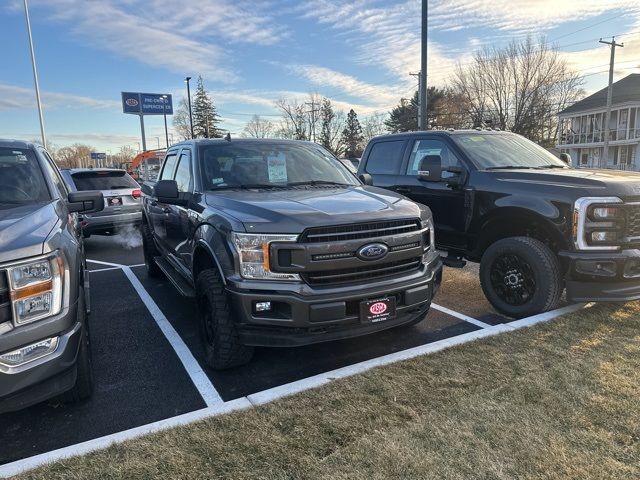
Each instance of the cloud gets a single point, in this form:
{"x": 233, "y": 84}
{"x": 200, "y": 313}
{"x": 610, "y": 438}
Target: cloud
{"x": 179, "y": 36}
{"x": 14, "y": 97}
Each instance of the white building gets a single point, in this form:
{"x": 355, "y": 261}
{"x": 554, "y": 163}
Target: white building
{"x": 581, "y": 132}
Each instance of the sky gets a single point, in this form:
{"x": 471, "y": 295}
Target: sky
{"x": 358, "y": 53}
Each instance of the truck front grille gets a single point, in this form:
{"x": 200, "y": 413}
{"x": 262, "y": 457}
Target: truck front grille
{"x": 633, "y": 222}
{"x": 5, "y": 298}
{"x": 334, "y": 277}
{"x": 359, "y": 231}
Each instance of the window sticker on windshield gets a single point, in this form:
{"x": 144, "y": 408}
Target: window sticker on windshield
{"x": 476, "y": 138}
{"x": 217, "y": 181}
{"x": 277, "y": 168}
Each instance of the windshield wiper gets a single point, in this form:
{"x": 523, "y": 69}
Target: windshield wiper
{"x": 248, "y": 186}
{"x": 318, "y": 182}
{"x": 510, "y": 167}
{"x": 542, "y": 167}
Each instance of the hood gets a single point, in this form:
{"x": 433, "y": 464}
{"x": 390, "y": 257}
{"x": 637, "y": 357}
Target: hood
{"x": 293, "y": 210}
{"x": 585, "y": 182}
{"x": 24, "y": 229}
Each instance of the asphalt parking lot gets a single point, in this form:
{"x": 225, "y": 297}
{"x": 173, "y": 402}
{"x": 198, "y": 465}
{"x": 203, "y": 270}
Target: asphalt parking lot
{"x": 148, "y": 359}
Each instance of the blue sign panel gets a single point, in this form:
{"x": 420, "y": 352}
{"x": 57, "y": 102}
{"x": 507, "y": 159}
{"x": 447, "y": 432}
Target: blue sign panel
{"x": 147, "y": 103}
{"x": 98, "y": 156}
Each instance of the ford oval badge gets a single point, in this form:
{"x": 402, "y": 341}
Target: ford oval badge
{"x": 372, "y": 251}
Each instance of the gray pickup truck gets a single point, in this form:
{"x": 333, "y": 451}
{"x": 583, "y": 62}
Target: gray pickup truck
{"x": 282, "y": 246}
{"x": 44, "y": 338}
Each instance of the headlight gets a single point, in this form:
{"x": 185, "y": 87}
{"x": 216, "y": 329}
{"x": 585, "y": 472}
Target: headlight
{"x": 36, "y": 288}
{"x": 253, "y": 250}
{"x": 598, "y": 223}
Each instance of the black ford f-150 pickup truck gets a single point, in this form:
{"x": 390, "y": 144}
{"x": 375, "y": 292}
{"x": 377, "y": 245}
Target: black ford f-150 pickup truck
{"x": 44, "y": 338}
{"x": 281, "y": 246}
{"x": 535, "y": 225}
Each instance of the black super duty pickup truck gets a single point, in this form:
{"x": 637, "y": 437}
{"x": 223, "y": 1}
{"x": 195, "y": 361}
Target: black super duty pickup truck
{"x": 536, "y": 225}
{"x": 281, "y": 245}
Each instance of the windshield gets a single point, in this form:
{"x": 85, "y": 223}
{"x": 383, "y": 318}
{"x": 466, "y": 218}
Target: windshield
{"x": 270, "y": 165}
{"x": 103, "y": 180}
{"x": 21, "y": 178}
{"x": 494, "y": 151}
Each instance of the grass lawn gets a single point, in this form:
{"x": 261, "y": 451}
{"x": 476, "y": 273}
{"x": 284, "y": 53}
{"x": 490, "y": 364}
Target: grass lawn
{"x": 559, "y": 400}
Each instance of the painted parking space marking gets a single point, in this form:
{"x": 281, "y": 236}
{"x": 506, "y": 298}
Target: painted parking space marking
{"x": 461, "y": 316}
{"x": 198, "y": 376}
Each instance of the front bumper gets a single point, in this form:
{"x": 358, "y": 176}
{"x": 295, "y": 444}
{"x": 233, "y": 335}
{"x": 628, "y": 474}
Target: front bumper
{"x": 303, "y": 318}
{"x": 602, "y": 276}
{"x": 109, "y": 223}
{"x": 43, "y": 378}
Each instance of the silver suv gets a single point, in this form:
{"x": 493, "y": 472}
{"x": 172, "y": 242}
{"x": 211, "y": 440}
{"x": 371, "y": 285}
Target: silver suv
{"x": 121, "y": 193}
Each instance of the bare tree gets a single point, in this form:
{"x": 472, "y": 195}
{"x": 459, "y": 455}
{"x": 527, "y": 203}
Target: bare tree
{"x": 181, "y": 123}
{"x": 294, "y": 122}
{"x": 372, "y": 126}
{"x": 520, "y": 87}
{"x": 76, "y": 155}
{"x": 258, "y": 128}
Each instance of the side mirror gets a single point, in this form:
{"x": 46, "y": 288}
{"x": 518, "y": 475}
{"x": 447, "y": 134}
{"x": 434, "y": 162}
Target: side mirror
{"x": 565, "y": 158}
{"x": 458, "y": 177}
{"x": 430, "y": 168}
{"x": 147, "y": 189}
{"x": 85, "y": 202}
{"x": 366, "y": 178}
{"x": 166, "y": 191}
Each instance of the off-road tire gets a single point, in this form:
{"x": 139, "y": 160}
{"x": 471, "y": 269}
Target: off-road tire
{"x": 150, "y": 251}
{"x": 83, "y": 387}
{"x": 217, "y": 328}
{"x": 543, "y": 265}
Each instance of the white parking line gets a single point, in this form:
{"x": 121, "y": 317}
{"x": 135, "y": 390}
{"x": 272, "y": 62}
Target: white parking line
{"x": 200, "y": 379}
{"x": 461, "y": 316}
{"x": 271, "y": 394}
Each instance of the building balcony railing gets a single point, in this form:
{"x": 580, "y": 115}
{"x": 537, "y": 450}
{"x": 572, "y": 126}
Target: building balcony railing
{"x": 570, "y": 138}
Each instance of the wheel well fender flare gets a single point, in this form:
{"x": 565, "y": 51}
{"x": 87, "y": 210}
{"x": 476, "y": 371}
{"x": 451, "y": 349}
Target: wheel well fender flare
{"x": 204, "y": 236}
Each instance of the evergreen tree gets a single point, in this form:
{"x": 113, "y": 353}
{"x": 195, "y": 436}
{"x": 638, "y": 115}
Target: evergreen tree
{"x": 352, "y": 136}
{"x": 331, "y": 127}
{"x": 404, "y": 116}
{"x": 205, "y": 117}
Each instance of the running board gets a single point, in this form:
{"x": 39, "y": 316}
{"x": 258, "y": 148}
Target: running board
{"x": 177, "y": 280}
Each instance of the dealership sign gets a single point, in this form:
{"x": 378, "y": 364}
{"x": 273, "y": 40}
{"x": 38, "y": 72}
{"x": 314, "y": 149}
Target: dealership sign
{"x": 98, "y": 156}
{"x": 146, "y": 103}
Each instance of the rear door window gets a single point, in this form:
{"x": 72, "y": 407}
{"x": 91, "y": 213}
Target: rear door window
{"x": 385, "y": 157}
{"x": 105, "y": 180}
{"x": 183, "y": 172}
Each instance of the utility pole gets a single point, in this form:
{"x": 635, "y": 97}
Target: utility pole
{"x": 35, "y": 75}
{"x": 419, "y": 117}
{"x": 186, "y": 80}
{"x": 164, "y": 114}
{"x": 424, "y": 123}
{"x": 605, "y": 150}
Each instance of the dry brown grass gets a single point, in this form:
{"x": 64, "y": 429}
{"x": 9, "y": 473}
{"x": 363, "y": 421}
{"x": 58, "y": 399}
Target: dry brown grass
{"x": 557, "y": 401}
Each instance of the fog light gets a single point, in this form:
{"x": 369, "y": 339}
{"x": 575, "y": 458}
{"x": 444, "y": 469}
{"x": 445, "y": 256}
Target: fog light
{"x": 29, "y": 353}
{"x": 263, "y": 306}
{"x": 608, "y": 236}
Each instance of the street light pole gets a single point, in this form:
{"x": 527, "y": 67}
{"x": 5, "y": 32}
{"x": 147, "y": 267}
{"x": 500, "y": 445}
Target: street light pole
{"x": 422, "y": 102}
{"x": 189, "y": 102}
{"x": 164, "y": 114}
{"x": 35, "y": 75}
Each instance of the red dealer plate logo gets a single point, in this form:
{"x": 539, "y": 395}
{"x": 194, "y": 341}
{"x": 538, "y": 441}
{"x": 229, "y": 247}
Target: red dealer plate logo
{"x": 378, "y": 308}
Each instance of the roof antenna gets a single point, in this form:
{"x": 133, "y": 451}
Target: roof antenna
{"x": 228, "y": 137}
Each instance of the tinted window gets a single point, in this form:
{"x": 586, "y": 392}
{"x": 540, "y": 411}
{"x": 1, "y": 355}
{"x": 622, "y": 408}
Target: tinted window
{"x": 422, "y": 148}
{"x": 269, "y": 164}
{"x": 385, "y": 157}
{"x": 103, "y": 180}
{"x": 169, "y": 165}
{"x": 183, "y": 172}
{"x": 21, "y": 179}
